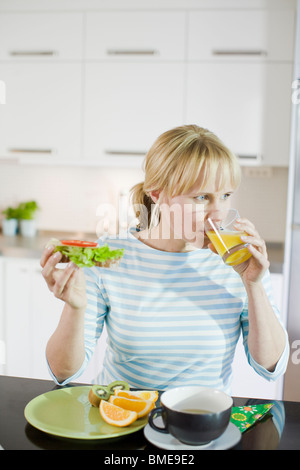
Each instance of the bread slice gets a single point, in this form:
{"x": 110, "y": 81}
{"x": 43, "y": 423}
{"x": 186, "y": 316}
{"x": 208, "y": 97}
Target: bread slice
{"x": 86, "y": 256}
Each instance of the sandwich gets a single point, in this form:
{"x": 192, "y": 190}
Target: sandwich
{"x": 86, "y": 254}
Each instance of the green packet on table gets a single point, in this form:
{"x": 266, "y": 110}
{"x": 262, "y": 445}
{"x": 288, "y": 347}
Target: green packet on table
{"x": 245, "y": 416}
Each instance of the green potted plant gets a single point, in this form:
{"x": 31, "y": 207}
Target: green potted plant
{"x": 26, "y": 215}
{"x": 10, "y": 222}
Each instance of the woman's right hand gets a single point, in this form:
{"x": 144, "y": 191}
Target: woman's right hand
{"x": 67, "y": 284}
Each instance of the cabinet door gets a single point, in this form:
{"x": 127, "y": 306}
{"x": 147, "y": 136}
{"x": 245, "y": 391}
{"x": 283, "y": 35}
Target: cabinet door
{"x": 127, "y": 106}
{"x": 17, "y": 318}
{"x": 246, "y": 105}
{"x": 135, "y": 35}
{"x": 42, "y": 115}
{"x": 45, "y": 312}
{"x": 239, "y": 35}
{"x": 31, "y": 315}
{"x": 41, "y": 36}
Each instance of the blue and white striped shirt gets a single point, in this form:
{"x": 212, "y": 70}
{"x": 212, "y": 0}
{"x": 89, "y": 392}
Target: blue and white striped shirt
{"x": 172, "y": 318}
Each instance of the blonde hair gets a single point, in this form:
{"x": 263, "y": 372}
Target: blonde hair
{"x": 174, "y": 162}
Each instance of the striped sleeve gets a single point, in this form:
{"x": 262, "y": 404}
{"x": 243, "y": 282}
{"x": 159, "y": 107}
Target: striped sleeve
{"x": 283, "y": 360}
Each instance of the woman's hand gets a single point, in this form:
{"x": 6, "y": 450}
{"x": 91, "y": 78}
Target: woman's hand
{"x": 252, "y": 270}
{"x": 67, "y": 284}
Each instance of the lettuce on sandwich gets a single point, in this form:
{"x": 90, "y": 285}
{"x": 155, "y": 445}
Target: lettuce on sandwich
{"x": 86, "y": 254}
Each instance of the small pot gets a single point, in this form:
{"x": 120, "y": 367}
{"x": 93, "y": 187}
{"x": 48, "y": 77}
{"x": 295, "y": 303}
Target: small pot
{"x": 10, "y": 227}
{"x": 28, "y": 227}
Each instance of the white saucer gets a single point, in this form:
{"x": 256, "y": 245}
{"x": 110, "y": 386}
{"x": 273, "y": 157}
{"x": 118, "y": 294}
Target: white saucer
{"x": 228, "y": 439}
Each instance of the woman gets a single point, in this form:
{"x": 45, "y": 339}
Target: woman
{"x": 173, "y": 310}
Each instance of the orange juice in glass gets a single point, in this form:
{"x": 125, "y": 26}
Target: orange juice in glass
{"x": 227, "y": 241}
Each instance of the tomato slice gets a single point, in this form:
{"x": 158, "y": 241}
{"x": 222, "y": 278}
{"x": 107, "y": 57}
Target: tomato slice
{"x": 80, "y": 243}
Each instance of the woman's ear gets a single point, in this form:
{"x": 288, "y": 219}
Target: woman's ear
{"x": 154, "y": 196}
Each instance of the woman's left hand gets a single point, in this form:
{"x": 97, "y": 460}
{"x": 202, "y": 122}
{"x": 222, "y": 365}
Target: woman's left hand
{"x": 252, "y": 270}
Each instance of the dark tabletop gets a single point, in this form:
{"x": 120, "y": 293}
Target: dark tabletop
{"x": 281, "y": 430}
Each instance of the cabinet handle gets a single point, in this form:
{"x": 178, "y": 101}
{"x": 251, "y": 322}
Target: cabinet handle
{"x": 235, "y": 52}
{"x": 135, "y": 153}
{"x": 31, "y": 150}
{"x": 131, "y": 52}
{"x": 250, "y": 158}
{"x": 32, "y": 53}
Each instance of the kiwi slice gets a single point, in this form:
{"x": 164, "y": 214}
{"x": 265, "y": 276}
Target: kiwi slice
{"x": 98, "y": 393}
{"x": 117, "y": 385}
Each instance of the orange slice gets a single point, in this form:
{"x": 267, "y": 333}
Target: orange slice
{"x": 115, "y": 415}
{"x": 139, "y": 405}
{"x": 151, "y": 395}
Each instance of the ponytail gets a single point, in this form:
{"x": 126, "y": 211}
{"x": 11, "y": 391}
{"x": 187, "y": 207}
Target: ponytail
{"x": 142, "y": 205}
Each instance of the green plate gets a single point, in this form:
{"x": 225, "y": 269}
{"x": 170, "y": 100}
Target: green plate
{"x": 67, "y": 412}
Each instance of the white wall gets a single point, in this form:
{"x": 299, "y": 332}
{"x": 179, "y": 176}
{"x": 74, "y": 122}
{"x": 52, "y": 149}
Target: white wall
{"x": 68, "y": 196}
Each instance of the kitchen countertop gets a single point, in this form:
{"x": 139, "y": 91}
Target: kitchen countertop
{"x": 25, "y": 247}
{"x": 280, "y": 431}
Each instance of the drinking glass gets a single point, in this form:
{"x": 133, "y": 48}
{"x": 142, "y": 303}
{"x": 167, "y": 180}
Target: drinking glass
{"x": 227, "y": 240}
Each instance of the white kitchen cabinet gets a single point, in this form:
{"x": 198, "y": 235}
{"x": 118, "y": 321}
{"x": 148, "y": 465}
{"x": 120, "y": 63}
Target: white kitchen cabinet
{"x": 44, "y": 316}
{"x": 41, "y": 119}
{"x": 257, "y": 35}
{"x": 41, "y": 36}
{"x": 247, "y": 105}
{"x": 135, "y": 35}
{"x": 30, "y": 315}
{"x": 127, "y": 106}
{"x": 17, "y": 318}
{"x": 97, "y": 86}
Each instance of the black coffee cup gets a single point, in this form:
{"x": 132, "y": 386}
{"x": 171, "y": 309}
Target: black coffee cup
{"x": 194, "y": 415}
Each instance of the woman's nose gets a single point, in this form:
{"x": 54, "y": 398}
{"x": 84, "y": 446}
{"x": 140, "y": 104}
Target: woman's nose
{"x": 214, "y": 214}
